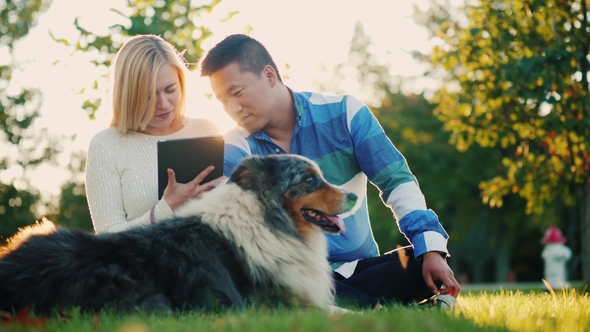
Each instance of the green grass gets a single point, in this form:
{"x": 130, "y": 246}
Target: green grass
{"x": 565, "y": 310}
{"x": 495, "y": 311}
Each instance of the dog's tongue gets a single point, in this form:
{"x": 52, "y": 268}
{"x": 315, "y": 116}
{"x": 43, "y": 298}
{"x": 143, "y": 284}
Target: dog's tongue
{"x": 336, "y": 220}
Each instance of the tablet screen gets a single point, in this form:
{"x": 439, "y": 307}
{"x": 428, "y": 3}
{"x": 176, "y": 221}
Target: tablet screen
{"x": 188, "y": 157}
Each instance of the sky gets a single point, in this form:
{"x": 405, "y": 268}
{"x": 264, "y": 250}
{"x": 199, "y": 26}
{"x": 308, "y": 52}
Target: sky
{"x": 304, "y": 34}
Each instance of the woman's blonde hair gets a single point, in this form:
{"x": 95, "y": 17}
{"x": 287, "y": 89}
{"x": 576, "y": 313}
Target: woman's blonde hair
{"x": 133, "y": 81}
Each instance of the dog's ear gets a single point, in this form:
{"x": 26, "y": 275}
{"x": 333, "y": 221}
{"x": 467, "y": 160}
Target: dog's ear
{"x": 244, "y": 176}
{"x": 248, "y": 171}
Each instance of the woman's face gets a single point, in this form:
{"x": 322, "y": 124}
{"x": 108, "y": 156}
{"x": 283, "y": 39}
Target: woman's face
{"x": 167, "y": 99}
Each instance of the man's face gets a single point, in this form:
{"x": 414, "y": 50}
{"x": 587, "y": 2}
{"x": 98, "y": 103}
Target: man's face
{"x": 245, "y": 96}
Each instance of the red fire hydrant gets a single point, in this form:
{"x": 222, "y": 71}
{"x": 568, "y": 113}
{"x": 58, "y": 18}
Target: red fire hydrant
{"x": 555, "y": 254}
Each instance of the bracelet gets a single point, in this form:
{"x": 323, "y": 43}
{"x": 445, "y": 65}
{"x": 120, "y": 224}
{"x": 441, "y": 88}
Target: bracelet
{"x": 152, "y": 216}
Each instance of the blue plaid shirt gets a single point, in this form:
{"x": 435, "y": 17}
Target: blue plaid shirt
{"x": 342, "y": 135}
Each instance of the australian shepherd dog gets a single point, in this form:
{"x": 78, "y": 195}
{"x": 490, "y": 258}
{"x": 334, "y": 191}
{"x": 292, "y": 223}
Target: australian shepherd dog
{"x": 258, "y": 238}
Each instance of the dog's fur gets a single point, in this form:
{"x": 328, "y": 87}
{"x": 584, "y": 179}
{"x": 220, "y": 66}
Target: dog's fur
{"x": 250, "y": 240}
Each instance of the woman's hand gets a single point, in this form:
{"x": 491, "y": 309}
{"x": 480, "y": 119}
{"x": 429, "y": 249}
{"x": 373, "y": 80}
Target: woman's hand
{"x": 176, "y": 194}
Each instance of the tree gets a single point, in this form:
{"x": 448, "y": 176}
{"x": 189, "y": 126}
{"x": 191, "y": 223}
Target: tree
{"x": 516, "y": 78}
{"x": 449, "y": 178}
{"x": 72, "y": 208}
{"x": 177, "y": 21}
{"x": 24, "y": 147}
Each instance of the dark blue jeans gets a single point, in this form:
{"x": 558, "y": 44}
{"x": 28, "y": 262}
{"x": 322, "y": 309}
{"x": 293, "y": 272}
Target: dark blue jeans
{"x": 392, "y": 277}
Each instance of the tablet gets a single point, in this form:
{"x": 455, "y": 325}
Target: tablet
{"x": 188, "y": 157}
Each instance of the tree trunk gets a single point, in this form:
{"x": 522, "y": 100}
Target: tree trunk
{"x": 572, "y": 222}
{"x": 584, "y": 189}
{"x": 584, "y": 199}
{"x": 478, "y": 273}
{"x": 502, "y": 264}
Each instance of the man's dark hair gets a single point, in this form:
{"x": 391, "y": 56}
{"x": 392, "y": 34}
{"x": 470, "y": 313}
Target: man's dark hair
{"x": 247, "y": 52}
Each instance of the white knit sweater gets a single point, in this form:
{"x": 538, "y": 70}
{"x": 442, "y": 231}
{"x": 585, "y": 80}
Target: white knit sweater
{"x": 122, "y": 176}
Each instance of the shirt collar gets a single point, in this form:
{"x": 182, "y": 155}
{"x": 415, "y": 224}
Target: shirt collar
{"x": 298, "y": 105}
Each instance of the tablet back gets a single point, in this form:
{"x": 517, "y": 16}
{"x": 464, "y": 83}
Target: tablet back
{"x": 188, "y": 157}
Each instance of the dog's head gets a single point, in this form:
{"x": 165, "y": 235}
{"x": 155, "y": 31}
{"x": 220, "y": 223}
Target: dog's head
{"x": 292, "y": 187}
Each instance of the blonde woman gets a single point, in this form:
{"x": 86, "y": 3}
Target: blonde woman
{"x": 148, "y": 94}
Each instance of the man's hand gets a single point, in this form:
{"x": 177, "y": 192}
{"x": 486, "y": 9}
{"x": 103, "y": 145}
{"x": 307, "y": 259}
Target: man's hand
{"x": 434, "y": 268}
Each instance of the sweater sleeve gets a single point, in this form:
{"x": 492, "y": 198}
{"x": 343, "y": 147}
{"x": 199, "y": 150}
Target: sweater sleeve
{"x": 105, "y": 194}
{"x": 387, "y": 168}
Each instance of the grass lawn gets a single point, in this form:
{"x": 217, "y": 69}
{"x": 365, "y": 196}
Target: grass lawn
{"x": 506, "y": 310}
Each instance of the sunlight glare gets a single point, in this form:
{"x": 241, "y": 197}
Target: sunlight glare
{"x": 307, "y": 39}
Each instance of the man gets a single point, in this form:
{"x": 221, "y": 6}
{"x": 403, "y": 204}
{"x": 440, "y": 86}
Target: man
{"x": 341, "y": 134}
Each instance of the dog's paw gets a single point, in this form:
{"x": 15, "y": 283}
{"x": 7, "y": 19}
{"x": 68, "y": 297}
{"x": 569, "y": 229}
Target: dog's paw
{"x": 334, "y": 310}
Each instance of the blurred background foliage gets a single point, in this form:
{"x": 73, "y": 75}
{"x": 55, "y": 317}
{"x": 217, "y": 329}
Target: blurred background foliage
{"x": 500, "y": 149}
{"x": 22, "y": 147}
{"x": 515, "y": 79}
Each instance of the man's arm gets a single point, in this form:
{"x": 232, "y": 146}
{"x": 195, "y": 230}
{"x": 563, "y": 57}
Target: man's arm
{"x": 387, "y": 168}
